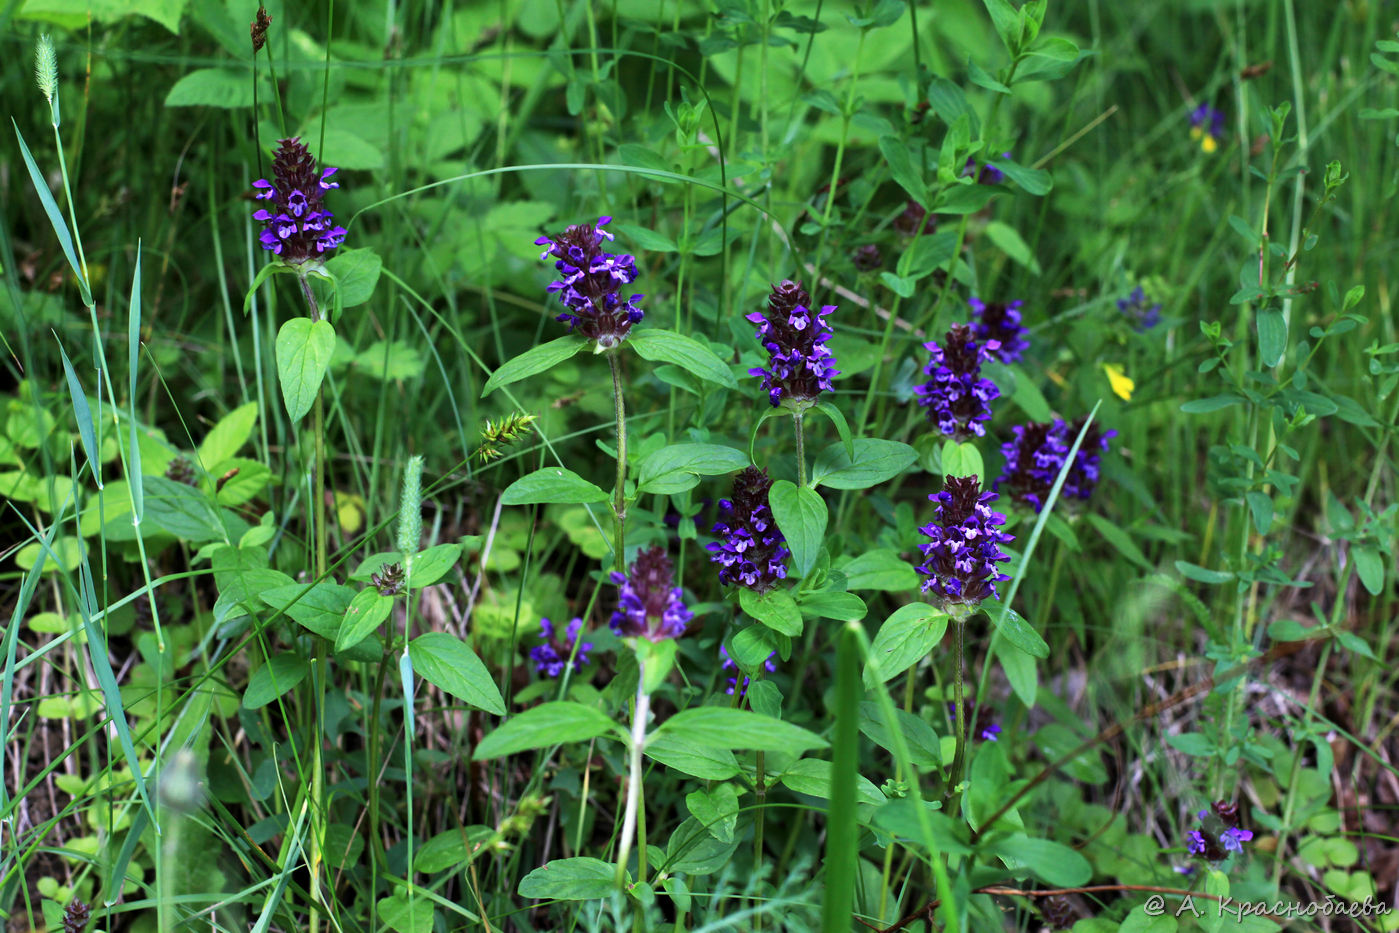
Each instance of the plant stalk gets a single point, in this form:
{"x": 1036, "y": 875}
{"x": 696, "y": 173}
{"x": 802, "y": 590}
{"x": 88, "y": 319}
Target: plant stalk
{"x": 619, "y": 495}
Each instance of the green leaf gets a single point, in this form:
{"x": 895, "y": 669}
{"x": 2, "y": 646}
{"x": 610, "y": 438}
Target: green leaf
{"x": 1008, "y": 240}
{"x": 227, "y": 88}
{"x": 1120, "y": 540}
{"x": 678, "y": 754}
{"x": 184, "y": 511}
{"x": 1006, "y": 19}
{"x": 677, "y": 467}
{"x": 812, "y": 777}
{"x": 905, "y": 638}
{"x": 1272, "y": 335}
{"x": 1200, "y": 406}
{"x": 389, "y": 360}
{"x": 1260, "y": 506}
{"x": 1019, "y": 633}
{"x": 831, "y": 604}
{"x": 880, "y": 569}
{"x": 776, "y": 609}
{"x": 905, "y": 172}
{"x": 1202, "y": 574}
{"x": 1020, "y": 670}
{"x": 432, "y": 565}
{"x": 1052, "y": 862}
{"x": 83, "y": 413}
{"x": 717, "y": 809}
{"x": 960, "y": 459}
{"x": 552, "y": 484}
{"x": 841, "y": 425}
{"x": 1196, "y": 744}
{"x": 366, "y": 612}
{"x": 726, "y": 728}
{"x": 554, "y": 723}
{"x": 448, "y": 663}
{"x": 450, "y": 849}
{"x": 65, "y": 239}
{"x": 280, "y": 674}
{"x": 649, "y": 240}
{"x": 801, "y": 514}
{"x": 228, "y": 436}
{"x": 570, "y": 879}
{"x": 356, "y": 272}
{"x": 533, "y": 362}
{"x": 304, "y": 348}
{"x": 872, "y": 462}
{"x": 1369, "y": 566}
{"x": 319, "y": 607}
{"x": 666, "y": 346}
{"x": 1034, "y": 181}
{"x": 404, "y": 915}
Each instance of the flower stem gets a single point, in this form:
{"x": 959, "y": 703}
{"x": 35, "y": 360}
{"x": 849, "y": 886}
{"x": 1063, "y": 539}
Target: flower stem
{"x": 619, "y": 495}
{"x": 801, "y": 447}
{"x": 638, "y": 743}
{"x": 959, "y": 756}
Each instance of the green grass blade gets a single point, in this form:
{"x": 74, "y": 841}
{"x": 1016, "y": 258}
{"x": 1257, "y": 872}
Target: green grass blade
{"x": 842, "y": 833}
{"x": 83, "y": 412}
{"x": 133, "y": 348}
{"x": 60, "y": 227}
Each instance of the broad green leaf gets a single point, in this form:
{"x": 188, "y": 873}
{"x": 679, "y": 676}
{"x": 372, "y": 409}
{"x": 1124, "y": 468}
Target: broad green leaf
{"x": 776, "y": 609}
{"x": 1019, "y": 633}
{"x": 280, "y": 674}
{"x": 570, "y": 879}
{"x": 924, "y": 746}
{"x": 304, "y": 348}
{"x": 533, "y": 362}
{"x": 905, "y": 638}
{"x": 366, "y": 612}
{"x": 1006, "y": 18}
{"x": 727, "y": 728}
{"x": 319, "y": 607}
{"x": 450, "y": 849}
{"x": 962, "y": 460}
{"x": 184, "y": 511}
{"x": 552, "y": 484}
{"x": 1272, "y": 335}
{"x": 403, "y": 914}
{"x": 1369, "y": 566}
{"x": 678, "y": 754}
{"x": 1196, "y": 744}
{"x": 677, "y": 467}
{"x": 833, "y": 604}
{"x": 432, "y": 565}
{"x": 227, "y": 88}
{"x": 901, "y": 164}
{"x": 1008, "y": 240}
{"x": 666, "y": 346}
{"x": 1052, "y": 862}
{"x": 812, "y": 776}
{"x": 554, "y": 723}
{"x": 717, "y": 809}
{"x": 228, "y": 436}
{"x": 1200, "y": 406}
{"x": 1202, "y": 574}
{"x": 1020, "y": 670}
{"x": 1034, "y": 181}
{"x": 880, "y": 569}
{"x": 249, "y": 479}
{"x": 447, "y": 662}
{"x": 875, "y": 461}
{"x": 357, "y": 272}
{"x": 390, "y": 360}
{"x": 801, "y": 515}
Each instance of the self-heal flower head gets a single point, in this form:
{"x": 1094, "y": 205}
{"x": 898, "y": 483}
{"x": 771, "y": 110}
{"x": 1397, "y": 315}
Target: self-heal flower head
{"x": 728, "y": 664}
{"x": 552, "y": 657}
{"x": 1033, "y": 460}
{"x": 296, "y": 227}
{"x": 650, "y": 605}
{"x": 1084, "y": 474}
{"x": 956, "y": 396}
{"x": 590, "y": 283}
{"x": 1219, "y": 833}
{"x": 1138, "y": 309}
{"x": 1000, "y": 322}
{"x": 800, "y": 365}
{"x": 1207, "y": 127}
{"x": 752, "y": 552}
{"x": 963, "y": 548}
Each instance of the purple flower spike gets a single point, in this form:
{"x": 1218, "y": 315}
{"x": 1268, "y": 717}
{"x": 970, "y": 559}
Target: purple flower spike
{"x": 296, "y": 227}
{"x": 753, "y": 552}
{"x": 800, "y": 365}
{"x": 1033, "y": 460}
{"x": 1219, "y": 833}
{"x": 956, "y": 396}
{"x": 590, "y": 284}
{"x": 963, "y": 546}
{"x": 1083, "y": 475}
{"x": 730, "y": 665}
{"x": 991, "y": 733}
{"x": 1139, "y": 310}
{"x": 650, "y": 606}
{"x": 552, "y": 657}
{"x": 1000, "y": 322}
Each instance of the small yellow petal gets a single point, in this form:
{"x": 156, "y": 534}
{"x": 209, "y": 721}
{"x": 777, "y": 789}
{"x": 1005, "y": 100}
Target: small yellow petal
{"x": 1196, "y": 132}
{"x": 1209, "y": 144}
{"x": 349, "y": 509}
{"x": 1122, "y": 384}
